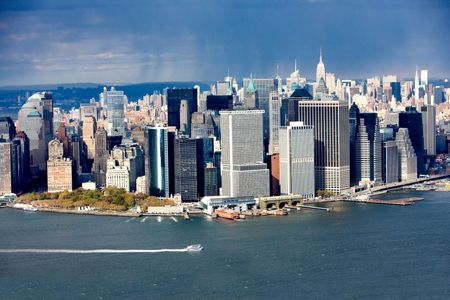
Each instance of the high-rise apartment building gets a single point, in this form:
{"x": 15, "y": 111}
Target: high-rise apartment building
{"x": 297, "y": 160}
{"x": 243, "y": 170}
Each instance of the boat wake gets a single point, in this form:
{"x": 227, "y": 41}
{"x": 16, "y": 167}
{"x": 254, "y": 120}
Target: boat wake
{"x": 191, "y": 248}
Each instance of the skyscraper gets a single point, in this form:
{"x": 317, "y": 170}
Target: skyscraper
{"x": 185, "y": 117}
{"x": 115, "y": 101}
{"x": 156, "y": 152}
{"x": 7, "y": 129}
{"x": 174, "y": 97}
{"x": 320, "y": 69}
{"x": 100, "y": 158}
{"x": 368, "y": 149}
{"x": 89, "y": 128}
{"x": 330, "y": 120}
{"x": 412, "y": 120}
{"x": 59, "y": 169}
{"x": 406, "y": 155}
{"x": 297, "y": 160}
{"x": 274, "y": 121}
{"x": 429, "y": 129}
{"x": 243, "y": 170}
{"x": 390, "y": 164}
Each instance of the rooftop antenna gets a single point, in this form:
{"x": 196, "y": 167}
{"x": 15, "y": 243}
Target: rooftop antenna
{"x": 295, "y": 65}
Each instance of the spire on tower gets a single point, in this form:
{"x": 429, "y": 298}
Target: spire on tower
{"x": 295, "y": 65}
{"x": 320, "y": 54}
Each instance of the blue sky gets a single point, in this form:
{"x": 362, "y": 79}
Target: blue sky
{"x": 46, "y": 41}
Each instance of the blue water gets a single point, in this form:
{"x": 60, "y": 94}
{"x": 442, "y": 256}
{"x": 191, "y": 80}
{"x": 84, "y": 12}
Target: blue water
{"x": 358, "y": 251}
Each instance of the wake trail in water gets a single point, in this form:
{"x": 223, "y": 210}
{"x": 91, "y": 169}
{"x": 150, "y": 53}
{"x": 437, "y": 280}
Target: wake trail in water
{"x": 77, "y": 251}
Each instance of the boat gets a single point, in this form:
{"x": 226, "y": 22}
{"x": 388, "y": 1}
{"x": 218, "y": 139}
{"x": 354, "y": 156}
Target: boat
{"x": 227, "y": 214}
{"x": 25, "y": 207}
{"x": 186, "y": 216}
{"x": 194, "y": 248}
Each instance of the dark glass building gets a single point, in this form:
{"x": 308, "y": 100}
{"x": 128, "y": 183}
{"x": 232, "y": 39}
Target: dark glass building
{"x": 396, "y": 91}
{"x": 412, "y": 120}
{"x": 156, "y": 152}
{"x": 297, "y": 96}
{"x": 174, "y": 97}
{"x": 219, "y": 102}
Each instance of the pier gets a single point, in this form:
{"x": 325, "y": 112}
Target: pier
{"x": 314, "y": 207}
{"x": 402, "y": 201}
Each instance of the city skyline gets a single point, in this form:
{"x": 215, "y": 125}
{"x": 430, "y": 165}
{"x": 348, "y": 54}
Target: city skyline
{"x": 112, "y": 42}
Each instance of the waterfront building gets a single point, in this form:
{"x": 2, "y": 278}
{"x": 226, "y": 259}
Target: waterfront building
{"x": 243, "y": 171}
{"x": 429, "y": 129}
{"x": 353, "y": 130}
{"x": 156, "y": 151}
{"x": 115, "y": 102}
{"x": 174, "y": 97}
{"x": 274, "y": 121}
{"x": 59, "y": 169}
{"x": 211, "y": 186}
{"x": 406, "y": 155}
{"x": 412, "y": 120}
{"x": 191, "y": 157}
{"x": 390, "y": 163}
{"x": 9, "y": 167}
{"x": 141, "y": 186}
{"x": 368, "y": 154}
{"x": 330, "y": 120}
{"x": 24, "y": 163}
{"x": 274, "y": 167}
{"x": 124, "y": 165}
{"x": 297, "y": 160}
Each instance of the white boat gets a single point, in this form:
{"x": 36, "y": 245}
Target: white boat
{"x": 26, "y": 207}
{"x": 194, "y": 248}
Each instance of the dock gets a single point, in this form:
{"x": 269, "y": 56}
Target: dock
{"x": 402, "y": 201}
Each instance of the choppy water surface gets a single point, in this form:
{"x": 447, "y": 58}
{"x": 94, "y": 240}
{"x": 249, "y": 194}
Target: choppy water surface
{"x": 362, "y": 251}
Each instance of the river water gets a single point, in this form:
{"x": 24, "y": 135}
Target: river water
{"x": 357, "y": 251}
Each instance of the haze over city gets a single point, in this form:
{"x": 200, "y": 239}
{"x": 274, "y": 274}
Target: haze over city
{"x": 118, "y": 41}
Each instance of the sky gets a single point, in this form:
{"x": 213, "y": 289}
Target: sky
{"x": 112, "y": 41}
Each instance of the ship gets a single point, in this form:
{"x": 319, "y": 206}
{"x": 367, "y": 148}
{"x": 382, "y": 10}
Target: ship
{"x": 26, "y": 207}
{"x": 227, "y": 214}
{"x": 194, "y": 248}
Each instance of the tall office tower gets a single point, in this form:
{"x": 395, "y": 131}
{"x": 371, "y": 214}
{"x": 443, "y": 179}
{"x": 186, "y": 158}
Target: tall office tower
{"x": 396, "y": 91}
{"x": 174, "y": 97}
{"x": 297, "y": 160}
{"x": 156, "y": 151}
{"x": 125, "y": 165}
{"x": 429, "y": 129}
{"x": 218, "y": 103}
{"x": 243, "y": 170}
{"x": 320, "y": 69}
{"x": 406, "y": 155}
{"x": 211, "y": 187}
{"x": 202, "y": 99}
{"x": 200, "y": 127}
{"x": 24, "y": 172}
{"x": 7, "y": 168}
{"x": 47, "y": 101}
{"x": 263, "y": 87}
{"x": 7, "y": 129}
{"x": 250, "y": 94}
{"x": 423, "y": 77}
{"x": 89, "y": 128}
{"x": 115, "y": 102}
{"x": 416, "y": 84}
{"x": 100, "y": 158}
{"x": 138, "y": 136}
{"x": 297, "y": 96}
{"x": 185, "y": 122}
{"x": 368, "y": 145}
{"x": 274, "y": 121}
{"x": 353, "y": 130}
{"x": 284, "y": 109}
{"x": 274, "y": 167}
{"x": 31, "y": 121}
{"x": 61, "y": 135}
{"x": 390, "y": 164}
{"x": 330, "y": 82}
{"x": 412, "y": 120}
{"x": 294, "y": 81}
{"x": 331, "y": 133}
{"x": 59, "y": 169}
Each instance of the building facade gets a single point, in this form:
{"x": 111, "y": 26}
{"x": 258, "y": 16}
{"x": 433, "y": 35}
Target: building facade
{"x": 59, "y": 169}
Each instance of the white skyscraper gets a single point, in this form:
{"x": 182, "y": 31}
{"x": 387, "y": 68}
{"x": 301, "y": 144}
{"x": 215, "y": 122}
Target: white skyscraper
{"x": 423, "y": 77}
{"x": 297, "y": 160}
{"x": 243, "y": 171}
{"x": 320, "y": 70}
{"x": 416, "y": 84}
